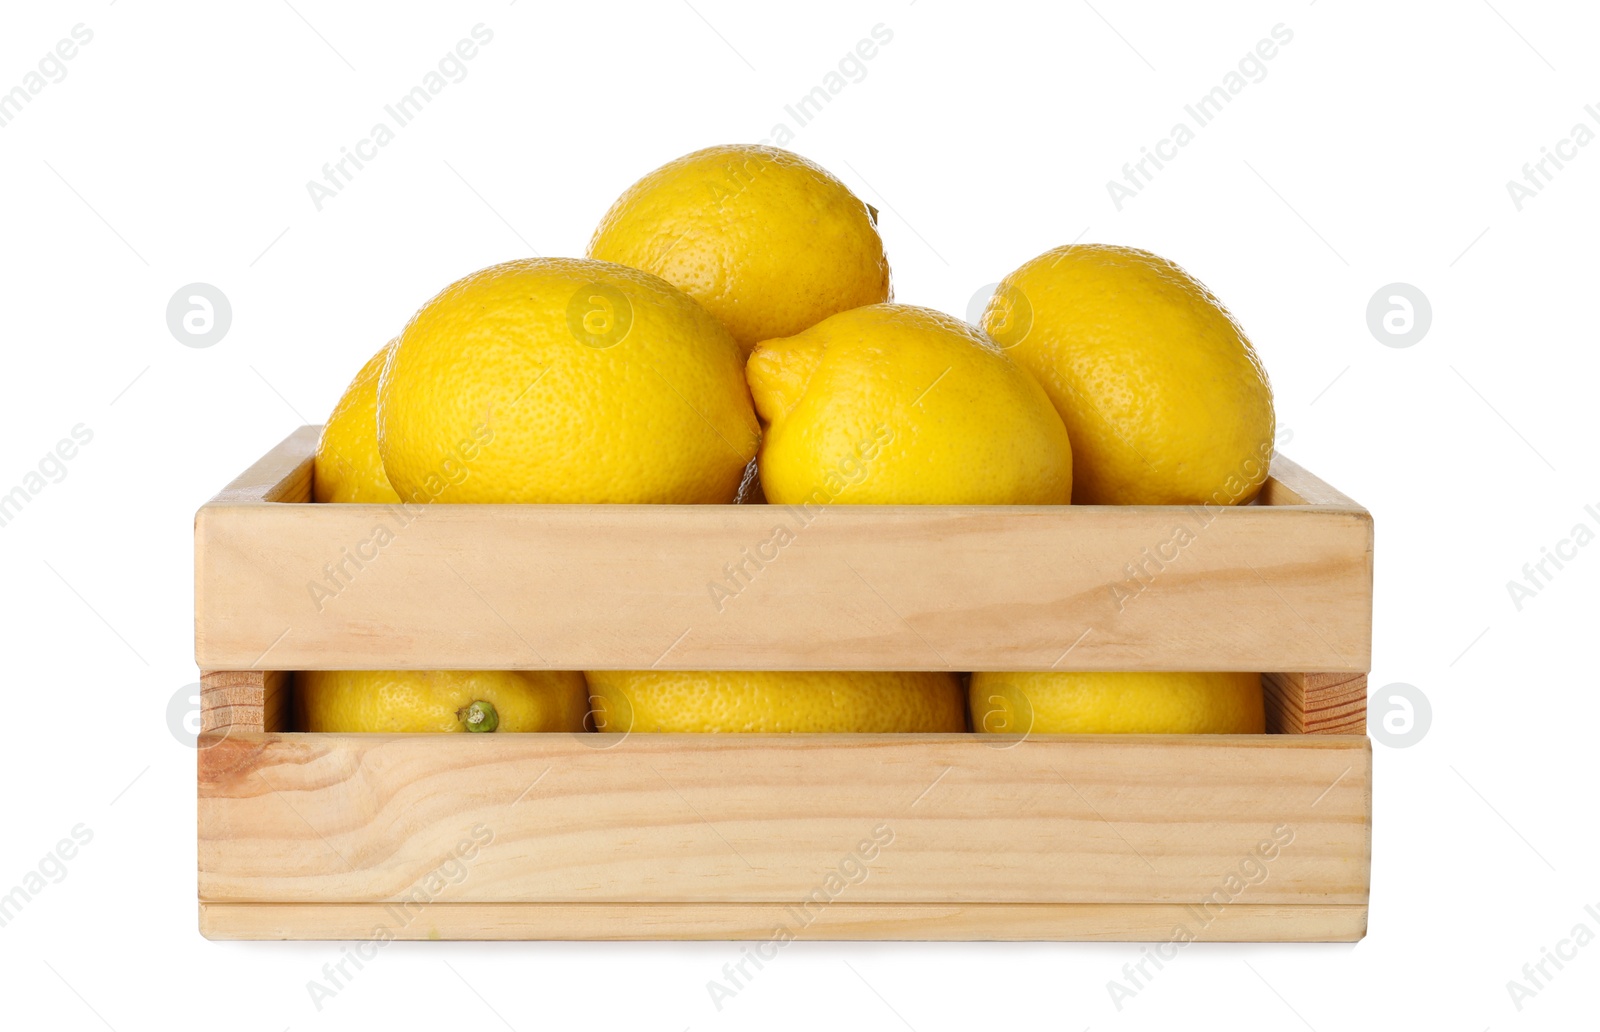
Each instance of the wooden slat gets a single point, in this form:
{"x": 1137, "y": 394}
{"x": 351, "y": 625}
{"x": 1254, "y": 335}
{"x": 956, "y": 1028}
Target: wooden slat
{"x": 839, "y": 920}
{"x": 281, "y": 475}
{"x": 766, "y": 818}
{"x": 1316, "y": 704}
{"x": 234, "y": 701}
{"x": 857, "y": 587}
{"x": 1293, "y": 484}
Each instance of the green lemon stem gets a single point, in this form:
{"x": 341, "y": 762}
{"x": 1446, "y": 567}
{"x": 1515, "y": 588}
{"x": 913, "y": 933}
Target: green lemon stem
{"x": 480, "y": 715}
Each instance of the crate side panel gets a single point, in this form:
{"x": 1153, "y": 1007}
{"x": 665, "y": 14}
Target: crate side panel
{"x": 1253, "y": 588}
{"x": 755, "y": 818}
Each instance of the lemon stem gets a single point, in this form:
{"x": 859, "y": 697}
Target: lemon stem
{"x": 479, "y": 716}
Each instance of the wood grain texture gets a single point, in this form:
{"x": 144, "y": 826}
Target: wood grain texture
{"x": 281, "y": 475}
{"x": 840, "y": 920}
{"x": 286, "y": 586}
{"x": 244, "y": 701}
{"x": 767, "y": 818}
{"x": 1293, "y": 484}
{"x": 1316, "y": 704}
{"x": 686, "y": 836}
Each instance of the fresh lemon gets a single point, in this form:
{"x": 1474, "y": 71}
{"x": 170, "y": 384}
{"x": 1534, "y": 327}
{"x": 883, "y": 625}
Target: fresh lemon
{"x": 1116, "y": 703}
{"x": 668, "y": 700}
{"x": 1161, "y": 392}
{"x": 766, "y": 240}
{"x": 348, "y": 467}
{"x": 565, "y": 380}
{"x": 894, "y": 404}
{"x": 441, "y": 700}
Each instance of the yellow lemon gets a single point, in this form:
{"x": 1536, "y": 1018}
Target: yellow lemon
{"x": 441, "y": 700}
{"x": 766, "y": 240}
{"x": 565, "y": 380}
{"x": 348, "y": 467}
{"x": 1116, "y": 703}
{"x": 1161, "y": 392}
{"x": 894, "y": 404}
{"x": 669, "y": 700}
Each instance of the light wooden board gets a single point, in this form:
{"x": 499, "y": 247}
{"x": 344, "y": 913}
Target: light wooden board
{"x": 300, "y": 586}
{"x": 1316, "y": 704}
{"x": 281, "y": 475}
{"x": 766, "y": 818}
{"x": 1293, "y": 484}
{"x": 840, "y": 920}
{"x": 244, "y": 700}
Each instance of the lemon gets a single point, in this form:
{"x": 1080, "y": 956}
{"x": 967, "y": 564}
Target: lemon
{"x": 766, "y": 240}
{"x": 669, "y": 700}
{"x": 565, "y": 380}
{"x": 347, "y": 467}
{"x": 1116, "y": 703}
{"x": 1161, "y": 392}
{"x": 896, "y": 404}
{"x": 441, "y": 700}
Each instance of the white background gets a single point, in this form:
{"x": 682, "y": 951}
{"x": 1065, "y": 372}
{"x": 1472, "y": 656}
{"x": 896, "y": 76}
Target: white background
{"x": 1376, "y": 150}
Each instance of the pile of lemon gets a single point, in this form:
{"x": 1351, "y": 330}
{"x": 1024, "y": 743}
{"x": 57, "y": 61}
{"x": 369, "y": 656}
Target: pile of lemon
{"x": 730, "y": 338}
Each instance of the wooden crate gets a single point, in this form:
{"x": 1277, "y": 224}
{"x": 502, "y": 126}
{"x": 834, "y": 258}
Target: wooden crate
{"x": 947, "y": 836}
